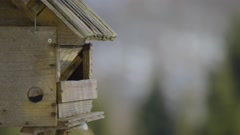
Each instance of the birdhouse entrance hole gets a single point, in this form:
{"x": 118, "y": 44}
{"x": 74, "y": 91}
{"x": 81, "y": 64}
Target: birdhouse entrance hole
{"x": 35, "y": 94}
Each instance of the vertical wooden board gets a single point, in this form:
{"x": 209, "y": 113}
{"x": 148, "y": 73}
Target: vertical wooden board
{"x": 87, "y": 61}
{"x": 71, "y": 91}
{"x": 27, "y": 60}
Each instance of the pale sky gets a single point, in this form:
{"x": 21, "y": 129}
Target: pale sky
{"x": 181, "y": 40}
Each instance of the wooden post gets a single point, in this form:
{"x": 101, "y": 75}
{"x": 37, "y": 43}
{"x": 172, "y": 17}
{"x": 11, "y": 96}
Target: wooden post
{"x": 87, "y": 64}
{"x": 63, "y": 132}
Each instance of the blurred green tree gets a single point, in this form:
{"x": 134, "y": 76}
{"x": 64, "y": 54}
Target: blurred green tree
{"x": 224, "y": 94}
{"x": 153, "y": 119}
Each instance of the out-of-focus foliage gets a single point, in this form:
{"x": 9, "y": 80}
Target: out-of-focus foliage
{"x": 224, "y": 93}
{"x": 9, "y": 131}
{"x": 153, "y": 118}
{"x": 99, "y": 127}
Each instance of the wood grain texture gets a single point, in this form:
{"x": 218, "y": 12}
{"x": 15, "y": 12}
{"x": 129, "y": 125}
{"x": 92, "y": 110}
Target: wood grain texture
{"x": 74, "y": 108}
{"x": 12, "y": 16}
{"x": 27, "y": 60}
{"x": 74, "y": 121}
{"x": 77, "y": 90}
{"x": 87, "y": 61}
{"x": 81, "y": 19}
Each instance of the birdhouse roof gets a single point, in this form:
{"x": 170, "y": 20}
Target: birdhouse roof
{"x": 82, "y": 20}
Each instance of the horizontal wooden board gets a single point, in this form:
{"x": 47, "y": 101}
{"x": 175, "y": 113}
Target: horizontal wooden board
{"x": 27, "y": 61}
{"x": 77, "y": 120}
{"x": 77, "y": 90}
{"x": 74, "y": 108}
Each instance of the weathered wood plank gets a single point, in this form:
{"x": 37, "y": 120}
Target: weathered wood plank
{"x": 74, "y": 108}
{"x": 87, "y": 119}
{"x": 77, "y": 15}
{"x": 78, "y": 119}
{"x": 87, "y": 61}
{"x": 77, "y": 90}
{"x": 27, "y": 61}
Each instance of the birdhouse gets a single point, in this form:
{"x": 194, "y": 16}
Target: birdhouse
{"x": 45, "y": 63}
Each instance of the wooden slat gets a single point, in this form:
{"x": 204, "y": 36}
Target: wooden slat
{"x": 88, "y": 119}
{"x": 87, "y": 61}
{"x": 78, "y": 119}
{"x": 77, "y": 90}
{"x": 27, "y": 60}
{"x": 73, "y": 19}
{"x": 74, "y": 108}
{"x": 81, "y": 19}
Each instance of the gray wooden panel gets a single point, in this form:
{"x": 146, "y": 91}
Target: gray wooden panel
{"x": 27, "y": 60}
{"x": 74, "y": 108}
{"x": 77, "y": 90}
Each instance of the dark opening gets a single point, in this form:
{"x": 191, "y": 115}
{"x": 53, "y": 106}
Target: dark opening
{"x": 77, "y": 74}
{"x": 35, "y": 94}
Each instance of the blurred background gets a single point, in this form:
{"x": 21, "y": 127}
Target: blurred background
{"x": 173, "y": 70}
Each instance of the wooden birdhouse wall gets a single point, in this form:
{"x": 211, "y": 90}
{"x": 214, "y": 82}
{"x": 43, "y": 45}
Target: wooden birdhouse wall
{"x": 27, "y": 77}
